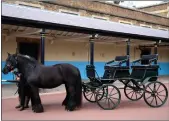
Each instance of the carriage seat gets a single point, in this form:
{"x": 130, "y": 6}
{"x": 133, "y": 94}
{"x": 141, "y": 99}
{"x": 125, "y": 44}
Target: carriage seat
{"x": 145, "y": 66}
{"x": 118, "y": 60}
{"x": 150, "y": 59}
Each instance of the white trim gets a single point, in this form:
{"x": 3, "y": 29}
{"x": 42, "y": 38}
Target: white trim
{"x": 69, "y": 12}
{"x": 144, "y": 25}
{"x": 100, "y": 17}
{"x": 4, "y": 80}
{"x": 125, "y": 22}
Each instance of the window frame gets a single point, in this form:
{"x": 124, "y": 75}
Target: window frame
{"x": 69, "y": 12}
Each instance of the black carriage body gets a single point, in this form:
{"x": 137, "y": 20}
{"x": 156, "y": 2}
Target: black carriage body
{"x": 117, "y": 71}
{"x": 141, "y": 72}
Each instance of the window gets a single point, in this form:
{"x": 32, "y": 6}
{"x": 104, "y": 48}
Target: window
{"x": 144, "y": 25}
{"x": 68, "y": 12}
{"x": 99, "y": 17}
{"x": 125, "y": 22}
{"x": 164, "y": 29}
{"x": 29, "y": 5}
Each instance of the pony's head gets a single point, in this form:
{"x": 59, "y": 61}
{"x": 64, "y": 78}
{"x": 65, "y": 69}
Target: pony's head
{"x": 11, "y": 63}
{"x": 18, "y": 61}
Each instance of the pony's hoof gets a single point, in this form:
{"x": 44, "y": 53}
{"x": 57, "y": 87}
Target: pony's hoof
{"x": 18, "y": 106}
{"x": 38, "y": 109}
{"x": 26, "y": 106}
{"x": 22, "y": 108}
{"x": 66, "y": 108}
{"x": 70, "y": 108}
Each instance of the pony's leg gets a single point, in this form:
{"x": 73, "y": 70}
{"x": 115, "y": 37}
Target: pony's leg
{"x": 38, "y": 108}
{"x": 66, "y": 98}
{"x": 71, "y": 99}
{"x": 28, "y": 96}
{"x": 32, "y": 102}
{"x": 27, "y": 102}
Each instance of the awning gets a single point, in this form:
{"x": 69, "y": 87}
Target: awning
{"x": 27, "y": 16}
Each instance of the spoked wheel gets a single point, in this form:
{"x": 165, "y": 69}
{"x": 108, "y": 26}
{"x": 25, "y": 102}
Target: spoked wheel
{"x": 155, "y": 94}
{"x": 90, "y": 94}
{"x": 133, "y": 92}
{"x": 111, "y": 97}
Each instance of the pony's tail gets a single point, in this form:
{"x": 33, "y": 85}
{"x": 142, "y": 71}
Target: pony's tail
{"x": 78, "y": 88}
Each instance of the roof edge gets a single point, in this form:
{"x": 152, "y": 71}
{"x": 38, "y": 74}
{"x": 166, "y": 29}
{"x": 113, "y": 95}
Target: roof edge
{"x": 153, "y": 5}
{"x": 12, "y": 13}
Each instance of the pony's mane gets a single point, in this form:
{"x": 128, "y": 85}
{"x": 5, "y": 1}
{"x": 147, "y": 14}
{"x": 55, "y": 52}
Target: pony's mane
{"x": 27, "y": 57}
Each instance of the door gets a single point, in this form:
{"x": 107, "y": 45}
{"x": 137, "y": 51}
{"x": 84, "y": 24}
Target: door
{"x": 145, "y": 51}
{"x": 31, "y": 49}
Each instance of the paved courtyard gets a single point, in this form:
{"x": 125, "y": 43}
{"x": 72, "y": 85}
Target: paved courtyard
{"x": 127, "y": 110}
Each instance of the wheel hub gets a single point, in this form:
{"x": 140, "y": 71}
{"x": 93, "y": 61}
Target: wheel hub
{"x": 154, "y": 93}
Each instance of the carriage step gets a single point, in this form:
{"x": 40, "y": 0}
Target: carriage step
{"x": 92, "y": 84}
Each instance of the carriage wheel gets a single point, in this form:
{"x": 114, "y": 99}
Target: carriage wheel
{"x": 111, "y": 97}
{"x": 90, "y": 94}
{"x": 155, "y": 94}
{"x": 132, "y": 92}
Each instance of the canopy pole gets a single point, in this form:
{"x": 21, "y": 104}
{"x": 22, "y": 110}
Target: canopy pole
{"x": 91, "y": 51}
{"x": 42, "y": 45}
{"x": 128, "y": 51}
{"x": 91, "y": 40}
{"x": 156, "y": 49}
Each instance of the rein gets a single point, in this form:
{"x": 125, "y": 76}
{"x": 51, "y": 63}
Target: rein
{"x": 17, "y": 74}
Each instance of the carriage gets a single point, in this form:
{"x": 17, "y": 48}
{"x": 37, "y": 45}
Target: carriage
{"x": 141, "y": 82}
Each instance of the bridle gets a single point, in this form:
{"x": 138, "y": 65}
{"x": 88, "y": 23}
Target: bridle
{"x": 11, "y": 66}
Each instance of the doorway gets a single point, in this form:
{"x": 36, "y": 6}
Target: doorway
{"x": 145, "y": 51}
{"x": 29, "y": 48}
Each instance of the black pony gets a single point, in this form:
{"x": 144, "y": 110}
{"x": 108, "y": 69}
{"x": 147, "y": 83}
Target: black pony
{"x": 40, "y": 76}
